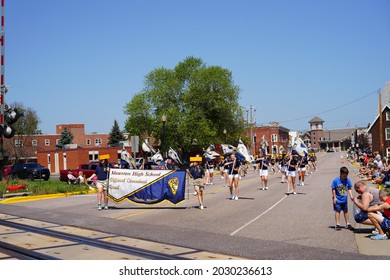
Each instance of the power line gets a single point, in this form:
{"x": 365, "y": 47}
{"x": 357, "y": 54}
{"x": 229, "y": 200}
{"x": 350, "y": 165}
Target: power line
{"x": 330, "y": 110}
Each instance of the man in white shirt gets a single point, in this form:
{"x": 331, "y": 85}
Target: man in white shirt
{"x": 71, "y": 178}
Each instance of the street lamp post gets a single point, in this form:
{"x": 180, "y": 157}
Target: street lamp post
{"x": 224, "y": 132}
{"x": 163, "y": 119}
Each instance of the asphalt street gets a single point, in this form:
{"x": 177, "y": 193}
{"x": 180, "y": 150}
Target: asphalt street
{"x": 259, "y": 225}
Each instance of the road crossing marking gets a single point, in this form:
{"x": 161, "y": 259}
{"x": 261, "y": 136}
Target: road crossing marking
{"x": 258, "y": 217}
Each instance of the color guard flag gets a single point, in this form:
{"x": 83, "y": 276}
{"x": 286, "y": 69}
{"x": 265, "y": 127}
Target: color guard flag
{"x": 146, "y": 186}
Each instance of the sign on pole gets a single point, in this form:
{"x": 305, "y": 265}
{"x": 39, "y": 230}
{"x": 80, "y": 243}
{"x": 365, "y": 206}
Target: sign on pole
{"x": 134, "y": 141}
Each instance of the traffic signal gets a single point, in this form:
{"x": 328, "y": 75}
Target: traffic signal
{"x": 10, "y": 116}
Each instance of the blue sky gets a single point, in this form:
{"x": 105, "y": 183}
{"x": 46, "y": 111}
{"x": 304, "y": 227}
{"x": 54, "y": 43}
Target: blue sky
{"x": 81, "y": 61}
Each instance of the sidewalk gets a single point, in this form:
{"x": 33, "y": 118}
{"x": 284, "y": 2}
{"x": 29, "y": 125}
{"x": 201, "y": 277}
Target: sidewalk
{"x": 366, "y": 246}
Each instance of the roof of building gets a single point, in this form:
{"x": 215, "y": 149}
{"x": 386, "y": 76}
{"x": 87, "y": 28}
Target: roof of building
{"x": 377, "y": 117}
{"x": 316, "y": 119}
{"x": 338, "y": 134}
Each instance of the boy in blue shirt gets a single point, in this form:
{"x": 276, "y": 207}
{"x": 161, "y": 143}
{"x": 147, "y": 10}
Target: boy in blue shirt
{"x": 341, "y": 188}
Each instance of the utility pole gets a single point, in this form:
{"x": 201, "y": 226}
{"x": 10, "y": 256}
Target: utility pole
{"x": 380, "y": 125}
{"x": 251, "y": 122}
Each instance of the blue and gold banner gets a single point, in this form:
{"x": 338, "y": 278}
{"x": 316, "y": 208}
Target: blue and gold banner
{"x": 146, "y": 186}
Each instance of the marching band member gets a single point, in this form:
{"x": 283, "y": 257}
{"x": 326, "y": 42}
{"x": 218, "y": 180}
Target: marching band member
{"x": 283, "y": 167}
{"x": 233, "y": 165}
{"x": 221, "y": 166}
{"x": 197, "y": 173}
{"x": 263, "y": 163}
{"x": 291, "y": 173}
{"x": 302, "y": 170}
{"x": 209, "y": 168}
{"x": 313, "y": 159}
{"x": 226, "y": 169}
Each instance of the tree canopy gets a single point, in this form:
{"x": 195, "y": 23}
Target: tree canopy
{"x": 198, "y": 101}
{"x": 116, "y": 135}
{"x": 66, "y": 138}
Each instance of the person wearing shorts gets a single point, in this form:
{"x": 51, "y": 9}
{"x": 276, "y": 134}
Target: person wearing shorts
{"x": 283, "y": 167}
{"x": 341, "y": 188}
{"x": 197, "y": 174}
{"x": 291, "y": 174}
{"x": 302, "y": 170}
{"x": 234, "y": 166}
{"x": 101, "y": 174}
{"x": 368, "y": 197}
{"x": 263, "y": 163}
{"x": 381, "y": 220}
{"x": 226, "y": 167}
{"x": 209, "y": 167}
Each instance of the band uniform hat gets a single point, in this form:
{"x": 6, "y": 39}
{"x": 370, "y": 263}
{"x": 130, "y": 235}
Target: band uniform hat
{"x": 196, "y": 159}
{"x": 102, "y": 157}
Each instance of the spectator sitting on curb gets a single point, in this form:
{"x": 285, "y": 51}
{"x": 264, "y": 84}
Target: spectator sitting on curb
{"x": 71, "y": 178}
{"x": 381, "y": 220}
{"x": 81, "y": 178}
{"x": 368, "y": 196}
{"x": 386, "y": 179}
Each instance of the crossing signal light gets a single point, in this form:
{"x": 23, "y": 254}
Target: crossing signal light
{"x": 11, "y": 116}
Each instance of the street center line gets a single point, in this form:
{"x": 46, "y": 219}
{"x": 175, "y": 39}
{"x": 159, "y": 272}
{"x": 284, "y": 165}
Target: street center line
{"x": 258, "y": 217}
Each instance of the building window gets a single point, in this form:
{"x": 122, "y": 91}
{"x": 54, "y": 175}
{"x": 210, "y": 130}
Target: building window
{"x": 98, "y": 142}
{"x": 88, "y": 142}
{"x": 387, "y": 131}
{"x": 34, "y": 143}
{"x": 93, "y": 155}
{"x": 274, "y": 138}
{"x": 387, "y": 116}
{"x": 47, "y": 142}
{"x": 18, "y": 143}
{"x": 57, "y": 141}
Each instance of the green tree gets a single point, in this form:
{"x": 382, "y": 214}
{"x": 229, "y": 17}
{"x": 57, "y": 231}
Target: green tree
{"x": 66, "y": 138}
{"x": 116, "y": 135}
{"x": 199, "y": 102}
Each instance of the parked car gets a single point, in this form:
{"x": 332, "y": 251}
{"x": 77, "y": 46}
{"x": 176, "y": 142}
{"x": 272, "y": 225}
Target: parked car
{"x": 30, "y": 171}
{"x": 87, "y": 168}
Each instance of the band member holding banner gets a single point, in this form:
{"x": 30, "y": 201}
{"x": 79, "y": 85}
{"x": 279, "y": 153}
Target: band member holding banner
{"x": 197, "y": 173}
{"x": 101, "y": 172}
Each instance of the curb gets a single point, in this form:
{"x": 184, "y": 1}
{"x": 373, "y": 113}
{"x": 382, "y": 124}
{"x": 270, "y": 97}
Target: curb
{"x": 20, "y": 199}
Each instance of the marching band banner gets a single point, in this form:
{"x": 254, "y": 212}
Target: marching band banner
{"x": 146, "y": 186}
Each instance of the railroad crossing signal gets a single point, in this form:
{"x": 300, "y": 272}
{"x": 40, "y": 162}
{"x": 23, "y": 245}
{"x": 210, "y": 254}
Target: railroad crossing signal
{"x": 10, "y": 116}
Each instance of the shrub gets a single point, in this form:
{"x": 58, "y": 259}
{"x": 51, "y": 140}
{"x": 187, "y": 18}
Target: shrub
{"x": 38, "y": 187}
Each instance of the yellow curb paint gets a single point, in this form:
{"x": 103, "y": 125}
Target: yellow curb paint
{"x": 21, "y": 199}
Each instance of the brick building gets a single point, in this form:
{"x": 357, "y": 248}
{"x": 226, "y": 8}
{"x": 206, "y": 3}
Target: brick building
{"x": 274, "y": 136}
{"x": 320, "y": 138}
{"x": 42, "y": 148}
{"x": 376, "y": 133}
